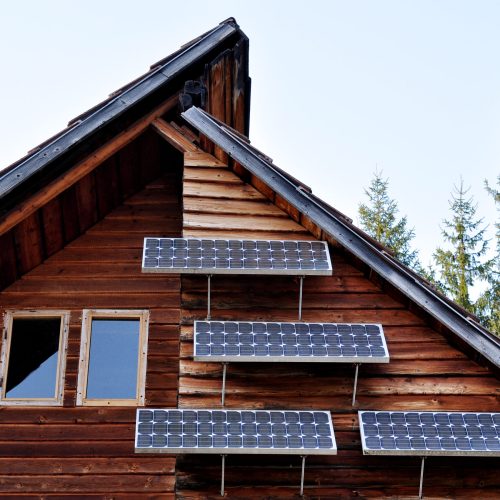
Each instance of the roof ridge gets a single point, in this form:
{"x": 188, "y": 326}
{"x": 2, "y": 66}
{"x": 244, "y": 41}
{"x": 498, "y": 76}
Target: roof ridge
{"x": 102, "y": 114}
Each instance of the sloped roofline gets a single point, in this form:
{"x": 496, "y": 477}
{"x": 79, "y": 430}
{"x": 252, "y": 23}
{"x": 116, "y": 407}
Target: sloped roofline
{"x": 104, "y": 113}
{"x": 353, "y": 239}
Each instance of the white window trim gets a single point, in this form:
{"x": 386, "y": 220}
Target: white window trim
{"x": 9, "y": 316}
{"x": 83, "y": 366}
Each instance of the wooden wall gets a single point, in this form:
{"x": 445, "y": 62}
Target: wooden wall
{"x": 65, "y": 217}
{"x": 81, "y": 250}
{"x": 89, "y": 452}
{"x": 228, "y": 91}
{"x": 425, "y": 372}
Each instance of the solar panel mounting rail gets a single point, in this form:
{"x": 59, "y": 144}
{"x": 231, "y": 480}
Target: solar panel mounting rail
{"x": 258, "y": 341}
{"x": 234, "y": 256}
{"x": 426, "y": 434}
{"x": 226, "y": 432}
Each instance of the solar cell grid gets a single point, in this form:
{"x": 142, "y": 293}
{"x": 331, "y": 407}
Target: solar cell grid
{"x": 430, "y": 433}
{"x": 287, "y": 342}
{"x": 234, "y": 431}
{"x": 192, "y": 255}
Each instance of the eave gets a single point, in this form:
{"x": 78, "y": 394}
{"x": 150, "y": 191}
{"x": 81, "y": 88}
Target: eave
{"x": 61, "y": 152}
{"x": 351, "y": 238}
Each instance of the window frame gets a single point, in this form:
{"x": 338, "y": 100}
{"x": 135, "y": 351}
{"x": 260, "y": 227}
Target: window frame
{"x": 9, "y": 316}
{"x": 83, "y": 366}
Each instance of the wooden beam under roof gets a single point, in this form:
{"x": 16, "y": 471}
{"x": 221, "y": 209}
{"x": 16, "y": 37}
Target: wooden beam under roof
{"x": 173, "y": 136}
{"x": 179, "y": 138}
{"x": 81, "y": 169}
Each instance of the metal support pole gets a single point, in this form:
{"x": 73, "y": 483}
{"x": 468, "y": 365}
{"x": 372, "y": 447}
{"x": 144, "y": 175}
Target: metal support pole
{"x": 302, "y": 476}
{"x": 223, "y": 395}
{"x": 209, "y": 276}
{"x": 300, "y": 297}
{"x": 222, "y": 475}
{"x": 421, "y": 486}
{"x": 355, "y": 385}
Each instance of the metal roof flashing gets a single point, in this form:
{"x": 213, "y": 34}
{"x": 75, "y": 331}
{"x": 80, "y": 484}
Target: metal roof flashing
{"x": 349, "y": 237}
{"x": 109, "y": 110}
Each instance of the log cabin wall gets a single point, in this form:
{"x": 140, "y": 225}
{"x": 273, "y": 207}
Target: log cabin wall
{"x": 425, "y": 371}
{"x": 89, "y": 451}
{"x": 82, "y": 250}
{"x": 80, "y": 206}
{"x": 67, "y": 451}
{"x": 224, "y": 74}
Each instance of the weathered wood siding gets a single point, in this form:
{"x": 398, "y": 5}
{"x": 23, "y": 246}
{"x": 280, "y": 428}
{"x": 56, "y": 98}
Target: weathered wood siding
{"x": 425, "y": 372}
{"x": 89, "y": 452}
{"x": 228, "y": 91}
{"x": 63, "y": 218}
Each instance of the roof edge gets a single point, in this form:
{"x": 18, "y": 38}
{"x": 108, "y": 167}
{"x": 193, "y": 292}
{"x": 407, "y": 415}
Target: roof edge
{"x": 16, "y": 174}
{"x": 394, "y": 272}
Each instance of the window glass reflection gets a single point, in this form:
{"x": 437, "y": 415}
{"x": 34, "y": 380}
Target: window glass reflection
{"x": 33, "y": 358}
{"x": 113, "y": 360}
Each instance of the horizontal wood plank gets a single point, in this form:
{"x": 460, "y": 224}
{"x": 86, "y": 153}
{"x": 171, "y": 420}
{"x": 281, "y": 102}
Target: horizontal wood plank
{"x": 235, "y": 222}
{"x": 218, "y": 175}
{"x": 99, "y": 483}
{"x": 88, "y": 466}
{"x": 244, "y": 234}
{"x": 214, "y": 190}
{"x": 209, "y": 205}
{"x": 201, "y": 159}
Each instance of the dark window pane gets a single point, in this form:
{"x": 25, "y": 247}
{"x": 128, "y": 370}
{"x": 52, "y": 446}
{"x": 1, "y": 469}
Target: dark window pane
{"x": 114, "y": 345}
{"x": 34, "y": 348}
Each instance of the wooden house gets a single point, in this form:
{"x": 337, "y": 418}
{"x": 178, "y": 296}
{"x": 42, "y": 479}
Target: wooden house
{"x": 168, "y": 156}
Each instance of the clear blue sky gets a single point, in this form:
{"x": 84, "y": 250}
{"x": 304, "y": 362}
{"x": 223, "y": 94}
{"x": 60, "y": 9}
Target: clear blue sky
{"x": 339, "y": 87}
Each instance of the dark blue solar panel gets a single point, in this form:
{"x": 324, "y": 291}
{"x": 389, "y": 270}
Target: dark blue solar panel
{"x": 193, "y": 255}
{"x": 430, "y": 433}
{"x": 234, "y": 431}
{"x": 319, "y": 342}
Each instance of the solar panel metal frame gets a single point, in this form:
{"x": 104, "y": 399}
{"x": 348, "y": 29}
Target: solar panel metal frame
{"x": 208, "y": 358}
{"x": 237, "y": 271}
{"x": 425, "y": 452}
{"x": 238, "y": 451}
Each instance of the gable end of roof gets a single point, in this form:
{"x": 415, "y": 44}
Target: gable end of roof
{"x": 36, "y": 164}
{"x": 351, "y": 238}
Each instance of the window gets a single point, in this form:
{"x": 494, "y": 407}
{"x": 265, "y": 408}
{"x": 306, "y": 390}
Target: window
{"x": 33, "y": 357}
{"x": 113, "y": 352}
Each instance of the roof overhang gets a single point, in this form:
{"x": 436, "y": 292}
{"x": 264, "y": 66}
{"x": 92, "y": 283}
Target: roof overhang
{"x": 402, "y": 278}
{"x": 41, "y": 163}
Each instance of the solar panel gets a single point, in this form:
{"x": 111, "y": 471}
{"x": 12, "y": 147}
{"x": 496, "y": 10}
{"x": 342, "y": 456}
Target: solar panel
{"x": 207, "y": 256}
{"x": 234, "y": 432}
{"x": 430, "y": 433}
{"x": 228, "y": 341}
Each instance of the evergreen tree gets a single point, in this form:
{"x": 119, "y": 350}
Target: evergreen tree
{"x": 488, "y": 304}
{"x": 461, "y": 265}
{"x": 379, "y": 219}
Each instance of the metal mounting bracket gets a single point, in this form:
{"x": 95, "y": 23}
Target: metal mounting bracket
{"x": 421, "y": 485}
{"x": 301, "y": 285}
{"x": 355, "y": 384}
